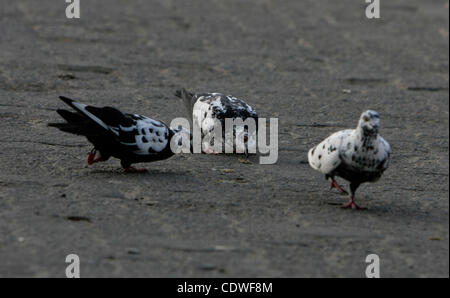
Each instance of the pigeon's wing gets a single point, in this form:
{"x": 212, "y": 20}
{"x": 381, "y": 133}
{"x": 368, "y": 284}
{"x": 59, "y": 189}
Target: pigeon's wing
{"x": 325, "y": 157}
{"x": 383, "y": 154}
{"x": 144, "y": 136}
{"x": 209, "y": 106}
{"x": 235, "y": 107}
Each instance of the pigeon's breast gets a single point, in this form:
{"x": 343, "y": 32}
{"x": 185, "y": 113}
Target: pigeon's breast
{"x": 366, "y": 159}
{"x": 356, "y": 174}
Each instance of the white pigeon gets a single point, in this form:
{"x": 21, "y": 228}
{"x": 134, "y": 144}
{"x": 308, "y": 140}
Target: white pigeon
{"x": 357, "y": 155}
{"x": 205, "y": 108}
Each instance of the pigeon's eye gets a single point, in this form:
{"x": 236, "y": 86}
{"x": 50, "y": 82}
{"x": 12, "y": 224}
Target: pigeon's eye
{"x": 366, "y": 118}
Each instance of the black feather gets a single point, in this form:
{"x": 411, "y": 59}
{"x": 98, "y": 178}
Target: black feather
{"x": 110, "y": 116}
{"x": 67, "y": 100}
{"x": 77, "y": 124}
{"x": 71, "y": 117}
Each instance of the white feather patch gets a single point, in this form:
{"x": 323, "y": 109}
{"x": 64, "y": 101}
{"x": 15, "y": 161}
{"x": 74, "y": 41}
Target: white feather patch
{"x": 150, "y": 138}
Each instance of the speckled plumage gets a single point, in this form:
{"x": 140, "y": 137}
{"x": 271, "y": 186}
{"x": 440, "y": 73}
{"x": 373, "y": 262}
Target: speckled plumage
{"x": 205, "y": 108}
{"x": 132, "y": 138}
{"x": 360, "y": 155}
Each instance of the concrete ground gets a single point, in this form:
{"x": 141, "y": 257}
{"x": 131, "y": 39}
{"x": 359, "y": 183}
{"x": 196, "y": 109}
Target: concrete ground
{"x": 315, "y": 65}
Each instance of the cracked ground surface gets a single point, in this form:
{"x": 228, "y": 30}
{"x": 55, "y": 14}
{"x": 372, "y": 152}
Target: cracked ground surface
{"x": 316, "y": 65}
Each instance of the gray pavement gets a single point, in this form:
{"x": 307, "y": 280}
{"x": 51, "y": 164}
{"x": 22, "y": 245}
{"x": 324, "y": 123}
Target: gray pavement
{"x": 316, "y": 65}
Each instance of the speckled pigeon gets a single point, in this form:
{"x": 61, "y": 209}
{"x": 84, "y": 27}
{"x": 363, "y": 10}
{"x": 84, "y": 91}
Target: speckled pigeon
{"x": 204, "y": 108}
{"x": 358, "y": 155}
{"x": 132, "y": 138}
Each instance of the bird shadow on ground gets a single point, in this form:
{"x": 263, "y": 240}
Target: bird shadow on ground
{"x": 373, "y": 208}
{"x": 147, "y": 173}
{"x": 240, "y": 158}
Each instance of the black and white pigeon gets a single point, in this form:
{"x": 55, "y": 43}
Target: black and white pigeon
{"x": 357, "y": 155}
{"x": 132, "y": 138}
{"x": 204, "y": 108}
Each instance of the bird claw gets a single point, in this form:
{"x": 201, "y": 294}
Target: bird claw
{"x": 94, "y": 156}
{"x": 352, "y": 205}
{"x": 210, "y": 151}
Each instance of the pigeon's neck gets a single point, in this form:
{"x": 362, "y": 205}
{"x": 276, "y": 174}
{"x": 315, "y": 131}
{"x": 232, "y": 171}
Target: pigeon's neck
{"x": 366, "y": 137}
{"x": 180, "y": 136}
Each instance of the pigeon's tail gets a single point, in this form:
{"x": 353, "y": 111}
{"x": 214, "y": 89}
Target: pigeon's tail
{"x": 188, "y": 100}
{"x": 84, "y": 110}
{"x": 76, "y": 124}
{"x": 85, "y": 122}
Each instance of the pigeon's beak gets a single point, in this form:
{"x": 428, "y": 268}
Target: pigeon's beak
{"x": 375, "y": 123}
{"x": 375, "y": 126}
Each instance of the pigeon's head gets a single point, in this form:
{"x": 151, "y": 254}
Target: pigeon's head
{"x": 181, "y": 140}
{"x": 369, "y": 122}
{"x": 243, "y": 138}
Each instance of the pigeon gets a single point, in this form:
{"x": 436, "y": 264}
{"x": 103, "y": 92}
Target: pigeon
{"x": 205, "y": 108}
{"x": 132, "y": 138}
{"x": 357, "y": 155}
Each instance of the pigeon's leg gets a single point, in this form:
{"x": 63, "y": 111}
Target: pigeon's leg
{"x": 351, "y": 203}
{"x": 334, "y": 184}
{"x": 94, "y": 156}
{"x": 127, "y": 168}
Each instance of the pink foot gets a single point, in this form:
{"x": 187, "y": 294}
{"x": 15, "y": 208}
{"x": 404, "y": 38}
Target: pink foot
{"x": 94, "y": 156}
{"x": 210, "y": 151}
{"x": 131, "y": 170}
{"x": 334, "y": 184}
{"x": 352, "y": 205}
